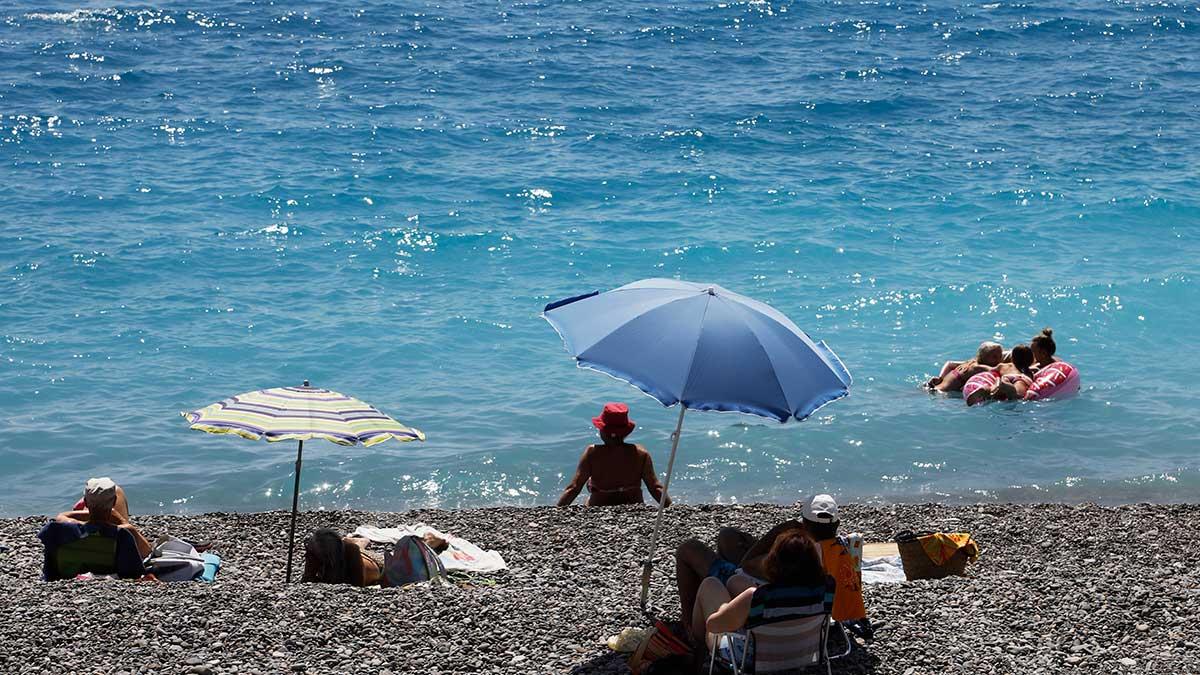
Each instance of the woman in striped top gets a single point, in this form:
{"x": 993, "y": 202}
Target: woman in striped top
{"x": 797, "y": 587}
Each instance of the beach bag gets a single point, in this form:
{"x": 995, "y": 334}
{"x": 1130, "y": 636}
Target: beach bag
{"x": 175, "y": 560}
{"x": 919, "y": 565}
{"x": 411, "y": 561}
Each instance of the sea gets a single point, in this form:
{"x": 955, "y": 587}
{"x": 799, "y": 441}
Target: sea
{"x": 205, "y": 198}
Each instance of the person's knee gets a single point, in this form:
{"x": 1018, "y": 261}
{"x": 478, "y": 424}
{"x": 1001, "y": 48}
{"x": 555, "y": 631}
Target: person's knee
{"x": 712, "y": 585}
{"x": 694, "y": 554}
{"x": 689, "y": 548}
{"x": 732, "y": 543}
{"x": 728, "y": 537}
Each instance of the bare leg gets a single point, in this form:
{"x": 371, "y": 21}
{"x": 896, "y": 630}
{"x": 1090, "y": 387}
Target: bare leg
{"x": 709, "y": 598}
{"x": 732, "y": 544}
{"x": 692, "y": 561}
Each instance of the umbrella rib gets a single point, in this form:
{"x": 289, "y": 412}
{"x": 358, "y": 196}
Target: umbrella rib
{"x": 695, "y": 349}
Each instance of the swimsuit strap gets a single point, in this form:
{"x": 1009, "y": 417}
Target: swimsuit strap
{"x": 593, "y": 489}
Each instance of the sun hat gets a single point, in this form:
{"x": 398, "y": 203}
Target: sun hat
{"x": 820, "y": 509}
{"x": 100, "y": 494}
{"x": 614, "y": 420}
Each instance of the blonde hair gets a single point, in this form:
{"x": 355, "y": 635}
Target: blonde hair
{"x": 990, "y": 353}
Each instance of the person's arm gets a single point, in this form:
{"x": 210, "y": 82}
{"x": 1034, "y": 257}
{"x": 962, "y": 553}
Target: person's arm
{"x": 1010, "y": 390}
{"x": 752, "y": 561}
{"x": 946, "y": 368}
{"x": 143, "y": 545}
{"x": 76, "y": 517}
{"x": 732, "y": 615}
{"x": 651, "y": 480}
{"x": 582, "y": 473}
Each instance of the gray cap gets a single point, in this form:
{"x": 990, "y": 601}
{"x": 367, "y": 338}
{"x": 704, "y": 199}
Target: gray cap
{"x": 100, "y": 494}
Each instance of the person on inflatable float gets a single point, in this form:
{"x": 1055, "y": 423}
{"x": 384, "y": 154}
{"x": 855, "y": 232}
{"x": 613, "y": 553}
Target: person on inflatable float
{"x": 1007, "y": 382}
{"x": 1053, "y": 378}
{"x": 955, "y": 374}
{"x": 1043, "y": 348}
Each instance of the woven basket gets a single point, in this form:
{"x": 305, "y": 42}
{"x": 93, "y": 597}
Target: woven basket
{"x": 917, "y": 564}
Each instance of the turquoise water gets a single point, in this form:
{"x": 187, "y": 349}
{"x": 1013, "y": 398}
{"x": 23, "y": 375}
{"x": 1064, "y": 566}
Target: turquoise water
{"x": 202, "y": 199}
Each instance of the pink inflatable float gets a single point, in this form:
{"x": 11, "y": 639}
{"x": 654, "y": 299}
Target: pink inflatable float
{"x": 1057, "y": 380}
{"x": 980, "y": 382}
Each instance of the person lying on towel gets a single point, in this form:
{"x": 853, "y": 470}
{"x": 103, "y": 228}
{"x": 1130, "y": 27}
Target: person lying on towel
{"x": 330, "y": 558}
{"x": 739, "y": 561}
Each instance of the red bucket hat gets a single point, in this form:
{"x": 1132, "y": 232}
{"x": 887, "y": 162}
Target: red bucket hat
{"x": 614, "y": 420}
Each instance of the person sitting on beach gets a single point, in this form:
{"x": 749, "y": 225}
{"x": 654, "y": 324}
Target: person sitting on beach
{"x": 955, "y": 374}
{"x": 1007, "y": 382}
{"x": 740, "y": 560}
{"x": 330, "y": 558}
{"x": 104, "y": 504}
{"x": 614, "y": 470}
{"x": 1043, "y": 348}
{"x": 795, "y": 581}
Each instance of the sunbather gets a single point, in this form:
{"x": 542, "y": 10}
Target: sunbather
{"x": 104, "y": 503}
{"x": 330, "y": 558}
{"x": 740, "y": 559}
{"x": 614, "y": 470}
{"x": 955, "y": 373}
{"x": 795, "y": 583}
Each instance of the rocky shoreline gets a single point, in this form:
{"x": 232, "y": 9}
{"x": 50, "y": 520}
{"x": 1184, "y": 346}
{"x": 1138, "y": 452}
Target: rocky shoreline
{"x": 1059, "y": 588}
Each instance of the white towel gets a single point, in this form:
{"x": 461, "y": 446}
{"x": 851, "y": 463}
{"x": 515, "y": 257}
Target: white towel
{"x": 889, "y": 570}
{"x": 460, "y": 555}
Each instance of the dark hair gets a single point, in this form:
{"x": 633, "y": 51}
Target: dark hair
{"x": 325, "y": 558}
{"x": 821, "y": 531}
{"x": 1044, "y": 341}
{"x": 1022, "y": 357}
{"x": 794, "y": 559}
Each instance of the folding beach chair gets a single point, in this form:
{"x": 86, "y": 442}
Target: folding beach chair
{"x": 777, "y": 647}
{"x": 77, "y": 549}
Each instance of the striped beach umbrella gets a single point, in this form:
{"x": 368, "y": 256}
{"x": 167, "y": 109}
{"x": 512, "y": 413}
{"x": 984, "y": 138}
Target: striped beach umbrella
{"x": 300, "y": 414}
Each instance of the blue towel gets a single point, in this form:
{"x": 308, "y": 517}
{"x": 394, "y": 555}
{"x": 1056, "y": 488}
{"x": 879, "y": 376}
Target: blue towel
{"x": 212, "y": 563}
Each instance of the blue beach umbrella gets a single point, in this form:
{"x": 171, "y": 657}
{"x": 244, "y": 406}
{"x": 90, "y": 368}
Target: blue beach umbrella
{"x": 702, "y": 347}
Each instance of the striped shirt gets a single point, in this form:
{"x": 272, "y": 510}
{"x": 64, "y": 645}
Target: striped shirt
{"x": 773, "y": 603}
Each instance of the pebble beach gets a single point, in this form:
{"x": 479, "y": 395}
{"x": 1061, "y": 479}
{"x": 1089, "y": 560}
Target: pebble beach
{"x": 1058, "y": 588}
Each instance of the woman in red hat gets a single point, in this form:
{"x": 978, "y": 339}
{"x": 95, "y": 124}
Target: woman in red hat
{"x": 613, "y": 470}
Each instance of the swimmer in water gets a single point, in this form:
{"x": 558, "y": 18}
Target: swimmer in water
{"x": 1006, "y": 382}
{"x": 1043, "y": 348}
{"x": 1015, "y": 377}
{"x": 955, "y": 374}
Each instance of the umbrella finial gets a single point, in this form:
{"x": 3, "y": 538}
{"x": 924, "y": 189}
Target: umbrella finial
{"x": 306, "y": 383}
{"x": 711, "y": 291}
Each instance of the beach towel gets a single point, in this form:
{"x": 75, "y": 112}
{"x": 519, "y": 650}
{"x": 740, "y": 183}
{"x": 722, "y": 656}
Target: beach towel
{"x": 886, "y": 570}
{"x": 941, "y": 546}
{"x": 459, "y": 555}
{"x": 74, "y": 548}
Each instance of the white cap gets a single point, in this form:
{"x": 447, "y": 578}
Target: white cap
{"x": 100, "y": 493}
{"x": 820, "y": 509}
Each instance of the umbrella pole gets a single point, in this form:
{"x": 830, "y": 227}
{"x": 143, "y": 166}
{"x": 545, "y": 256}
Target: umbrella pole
{"x": 648, "y": 563}
{"x": 295, "y": 506}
